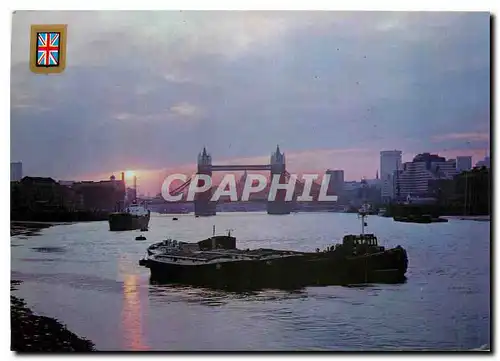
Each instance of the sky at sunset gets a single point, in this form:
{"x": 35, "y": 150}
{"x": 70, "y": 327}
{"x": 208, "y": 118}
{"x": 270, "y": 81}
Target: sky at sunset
{"x": 145, "y": 91}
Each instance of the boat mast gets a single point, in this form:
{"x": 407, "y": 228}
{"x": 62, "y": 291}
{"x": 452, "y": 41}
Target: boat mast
{"x": 363, "y": 211}
{"x": 213, "y": 237}
{"x": 125, "y": 198}
{"x": 135, "y": 187}
{"x": 362, "y": 225}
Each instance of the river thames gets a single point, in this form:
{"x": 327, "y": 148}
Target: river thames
{"x": 88, "y": 278}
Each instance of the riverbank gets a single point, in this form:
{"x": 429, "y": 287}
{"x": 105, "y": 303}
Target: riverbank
{"x": 58, "y": 216}
{"x": 34, "y": 333}
{"x": 27, "y": 229}
{"x": 470, "y": 218}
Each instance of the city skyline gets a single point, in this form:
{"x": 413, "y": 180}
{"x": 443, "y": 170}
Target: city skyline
{"x": 333, "y": 89}
{"x": 150, "y": 187}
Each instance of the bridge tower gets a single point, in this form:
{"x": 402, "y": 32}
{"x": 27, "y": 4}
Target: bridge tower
{"x": 279, "y": 205}
{"x": 240, "y": 185}
{"x": 202, "y": 204}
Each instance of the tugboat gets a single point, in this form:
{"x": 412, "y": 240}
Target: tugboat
{"x": 135, "y": 216}
{"x": 360, "y": 259}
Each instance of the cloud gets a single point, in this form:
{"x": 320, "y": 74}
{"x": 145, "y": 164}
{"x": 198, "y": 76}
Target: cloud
{"x": 185, "y": 109}
{"x": 241, "y": 82}
{"x": 124, "y": 116}
{"x": 184, "y": 113}
{"x": 174, "y": 36}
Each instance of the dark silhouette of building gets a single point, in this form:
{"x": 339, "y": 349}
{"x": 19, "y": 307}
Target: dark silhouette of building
{"x": 473, "y": 191}
{"x": 41, "y": 193}
{"x": 102, "y": 195}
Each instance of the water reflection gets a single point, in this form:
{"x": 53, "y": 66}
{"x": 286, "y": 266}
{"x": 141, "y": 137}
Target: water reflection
{"x": 131, "y": 315}
{"x": 163, "y": 293}
{"x": 444, "y": 305}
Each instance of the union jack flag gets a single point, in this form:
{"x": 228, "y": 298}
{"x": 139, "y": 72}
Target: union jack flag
{"x": 47, "y": 49}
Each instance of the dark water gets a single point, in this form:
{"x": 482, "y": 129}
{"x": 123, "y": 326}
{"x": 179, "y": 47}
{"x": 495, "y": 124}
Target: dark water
{"x": 89, "y": 278}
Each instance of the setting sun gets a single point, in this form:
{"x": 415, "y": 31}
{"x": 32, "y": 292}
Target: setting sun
{"x": 129, "y": 176}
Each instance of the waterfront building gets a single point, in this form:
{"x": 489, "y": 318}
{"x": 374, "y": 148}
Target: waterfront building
{"x": 351, "y": 185}
{"x": 464, "y": 163}
{"x": 16, "y": 171}
{"x": 42, "y": 193}
{"x": 102, "y": 195}
{"x": 390, "y": 162}
{"x": 376, "y": 182}
{"x": 484, "y": 163}
{"x": 473, "y": 191}
{"x": 66, "y": 183}
{"x": 336, "y": 184}
{"x": 415, "y": 177}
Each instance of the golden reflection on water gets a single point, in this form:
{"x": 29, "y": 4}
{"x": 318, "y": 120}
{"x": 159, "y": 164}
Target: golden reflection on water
{"x": 131, "y": 315}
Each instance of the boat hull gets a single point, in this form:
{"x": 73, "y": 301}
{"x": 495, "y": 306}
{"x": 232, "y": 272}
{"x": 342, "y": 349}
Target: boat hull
{"x": 388, "y": 266}
{"x": 412, "y": 220}
{"x": 424, "y": 220}
{"x": 127, "y": 222}
{"x": 295, "y": 271}
{"x": 236, "y": 275}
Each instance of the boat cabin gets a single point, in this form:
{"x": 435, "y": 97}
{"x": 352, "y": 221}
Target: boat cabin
{"x": 137, "y": 209}
{"x": 220, "y": 242}
{"x": 360, "y": 239}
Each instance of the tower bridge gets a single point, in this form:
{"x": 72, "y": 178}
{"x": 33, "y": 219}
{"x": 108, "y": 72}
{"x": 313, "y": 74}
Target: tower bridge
{"x": 238, "y": 167}
{"x": 203, "y": 204}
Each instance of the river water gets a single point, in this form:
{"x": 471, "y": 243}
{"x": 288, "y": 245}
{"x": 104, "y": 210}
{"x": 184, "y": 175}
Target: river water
{"x": 89, "y": 279}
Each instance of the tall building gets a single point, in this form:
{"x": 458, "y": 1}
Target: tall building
{"x": 415, "y": 177}
{"x": 336, "y": 184}
{"x": 390, "y": 162}
{"x": 16, "y": 171}
{"x": 464, "y": 163}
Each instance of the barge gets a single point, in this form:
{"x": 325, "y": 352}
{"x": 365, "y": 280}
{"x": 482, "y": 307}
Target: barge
{"x": 216, "y": 262}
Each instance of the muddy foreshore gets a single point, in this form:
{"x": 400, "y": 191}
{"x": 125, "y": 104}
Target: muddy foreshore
{"x": 33, "y": 333}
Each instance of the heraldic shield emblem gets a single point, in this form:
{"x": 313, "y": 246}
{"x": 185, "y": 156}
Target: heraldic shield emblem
{"x": 48, "y": 48}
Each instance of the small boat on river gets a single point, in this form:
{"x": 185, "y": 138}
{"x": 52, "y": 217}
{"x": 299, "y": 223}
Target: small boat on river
{"x": 426, "y": 218}
{"x": 135, "y": 216}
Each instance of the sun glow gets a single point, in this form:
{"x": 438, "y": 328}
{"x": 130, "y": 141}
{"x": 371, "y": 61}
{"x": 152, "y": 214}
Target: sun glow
{"x": 129, "y": 176}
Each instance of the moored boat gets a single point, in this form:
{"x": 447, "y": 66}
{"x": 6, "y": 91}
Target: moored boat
{"x": 135, "y": 216}
{"x": 359, "y": 258}
{"x": 217, "y": 262}
{"x": 426, "y": 218}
